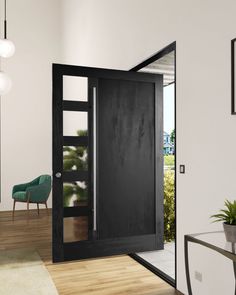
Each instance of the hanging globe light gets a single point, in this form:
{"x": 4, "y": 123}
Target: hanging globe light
{"x": 5, "y": 83}
{"x": 7, "y": 47}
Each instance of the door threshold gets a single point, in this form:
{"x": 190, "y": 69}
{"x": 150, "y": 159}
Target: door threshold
{"x": 154, "y": 270}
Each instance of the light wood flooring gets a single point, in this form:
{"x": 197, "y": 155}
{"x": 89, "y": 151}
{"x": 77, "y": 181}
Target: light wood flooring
{"x": 115, "y": 275}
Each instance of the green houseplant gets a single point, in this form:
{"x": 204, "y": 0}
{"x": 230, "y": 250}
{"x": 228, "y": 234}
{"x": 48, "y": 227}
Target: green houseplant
{"x": 228, "y": 216}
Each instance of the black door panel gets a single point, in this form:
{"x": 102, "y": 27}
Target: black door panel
{"x": 126, "y": 168}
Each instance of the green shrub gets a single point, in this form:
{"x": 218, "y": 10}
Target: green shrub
{"x": 169, "y": 160}
{"x": 169, "y": 206}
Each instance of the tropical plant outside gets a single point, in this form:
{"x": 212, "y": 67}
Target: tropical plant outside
{"x": 172, "y": 136}
{"x": 75, "y": 158}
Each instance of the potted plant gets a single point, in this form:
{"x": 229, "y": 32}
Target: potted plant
{"x": 228, "y": 216}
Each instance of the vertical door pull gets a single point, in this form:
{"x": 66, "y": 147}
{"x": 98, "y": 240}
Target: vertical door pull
{"x": 94, "y": 158}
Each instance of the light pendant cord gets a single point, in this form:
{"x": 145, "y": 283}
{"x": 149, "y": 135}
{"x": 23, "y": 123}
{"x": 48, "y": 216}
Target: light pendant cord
{"x": 5, "y": 20}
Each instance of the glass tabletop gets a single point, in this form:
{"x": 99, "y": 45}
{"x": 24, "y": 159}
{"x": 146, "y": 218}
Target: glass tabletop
{"x": 215, "y": 239}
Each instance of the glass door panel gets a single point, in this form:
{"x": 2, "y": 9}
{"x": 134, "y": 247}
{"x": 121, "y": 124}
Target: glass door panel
{"x": 75, "y": 229}
{"x": 75, "y": 123}
{"x": 75, "y": 158}
{"x": 75, "y": 194}
{"x": 75, "y": 88}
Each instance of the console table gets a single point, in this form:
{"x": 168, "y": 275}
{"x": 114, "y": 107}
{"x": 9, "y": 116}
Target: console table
{"x": 213, "y": 240}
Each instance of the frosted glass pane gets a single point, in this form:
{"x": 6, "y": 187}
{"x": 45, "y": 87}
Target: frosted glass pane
{"x": 74, "y": 123}
{"x": 75, "y": 88}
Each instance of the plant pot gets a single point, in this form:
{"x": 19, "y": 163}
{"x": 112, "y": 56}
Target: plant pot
{"x": 230, "y": 232}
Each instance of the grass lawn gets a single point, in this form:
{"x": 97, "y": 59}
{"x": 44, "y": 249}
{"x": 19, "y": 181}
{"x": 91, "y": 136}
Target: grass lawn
{"x": 169, "y": 160}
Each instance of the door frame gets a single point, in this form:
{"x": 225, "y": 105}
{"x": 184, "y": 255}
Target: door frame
{"x": 169, "y": 48}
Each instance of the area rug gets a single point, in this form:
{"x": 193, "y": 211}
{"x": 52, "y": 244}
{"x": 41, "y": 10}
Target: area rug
{"x": 22, "y": 272}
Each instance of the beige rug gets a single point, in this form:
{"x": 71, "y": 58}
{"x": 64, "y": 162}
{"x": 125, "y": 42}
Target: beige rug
{"x": 22, "y": 272}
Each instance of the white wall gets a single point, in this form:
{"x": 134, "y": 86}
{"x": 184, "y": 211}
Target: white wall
{"x": 120, "y": 34}
{"x": 26, "y": 138}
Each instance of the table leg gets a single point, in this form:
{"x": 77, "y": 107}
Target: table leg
{"x": 234, "y": 264}
{"x": 187, "y": 265}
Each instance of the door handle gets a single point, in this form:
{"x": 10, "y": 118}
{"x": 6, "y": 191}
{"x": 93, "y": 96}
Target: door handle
{"x": 58, "y": 175}
{"x": 94, "y": 159}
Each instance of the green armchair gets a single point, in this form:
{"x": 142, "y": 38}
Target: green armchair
{"x": 37, "y": 191}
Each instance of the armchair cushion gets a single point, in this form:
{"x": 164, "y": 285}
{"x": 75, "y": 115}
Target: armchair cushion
{"x": 20, "y": 196}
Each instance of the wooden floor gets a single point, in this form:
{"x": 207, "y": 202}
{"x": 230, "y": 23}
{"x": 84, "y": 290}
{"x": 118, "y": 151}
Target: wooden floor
{"x": 105, "y": 276}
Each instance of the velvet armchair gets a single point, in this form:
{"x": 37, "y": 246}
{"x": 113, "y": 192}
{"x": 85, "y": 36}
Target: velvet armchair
{"x": 37, "y": 191}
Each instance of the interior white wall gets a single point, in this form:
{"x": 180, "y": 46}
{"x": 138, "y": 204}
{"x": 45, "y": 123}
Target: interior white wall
{"x": 120, "y": 34}
{"x": 26, "y": 113}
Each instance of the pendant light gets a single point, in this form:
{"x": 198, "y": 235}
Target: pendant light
{"x": 7, "y": 47}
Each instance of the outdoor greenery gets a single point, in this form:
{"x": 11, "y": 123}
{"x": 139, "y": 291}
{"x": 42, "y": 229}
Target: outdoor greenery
{"x": 75, "y": 158}
{"x": 172, "y": 136}
{"x": 169, "y": 160}
{"x": 74, "y": 189}
{"x": 227, "y": 215}
{"x": 169, "y": 206}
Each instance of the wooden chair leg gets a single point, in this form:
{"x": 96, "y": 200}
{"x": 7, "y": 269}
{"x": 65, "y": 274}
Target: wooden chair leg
{"x": 28, "y": 209}
{"x": 14, "y": 206}
{"x": 38, "y": 207}
{"x": 46, "y": 207}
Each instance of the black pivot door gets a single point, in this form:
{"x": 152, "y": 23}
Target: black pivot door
{"x": 107, "y": 162}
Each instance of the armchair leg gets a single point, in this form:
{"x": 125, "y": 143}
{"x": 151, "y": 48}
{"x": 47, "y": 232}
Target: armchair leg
{"x": 46, "y": 207}
{"x": 38, "y": 207}
{"x": 14, "y": 206}
{"x": 28, "y": 209}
